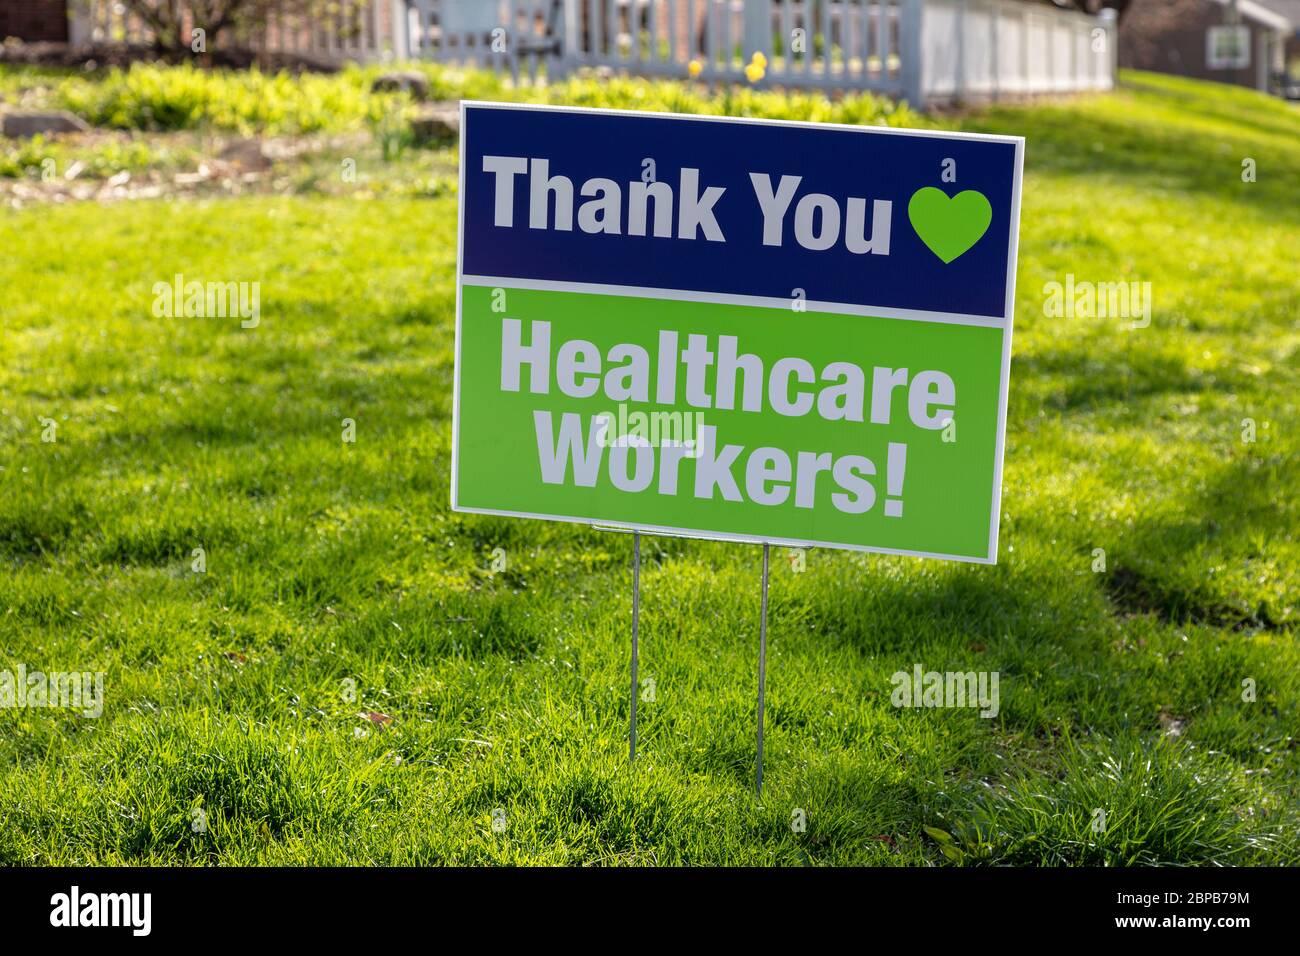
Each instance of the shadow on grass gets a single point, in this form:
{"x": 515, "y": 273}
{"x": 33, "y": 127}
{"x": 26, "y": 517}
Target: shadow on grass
{"x": 1236, "y": 513}
{"x": 954, "y": 607}
{"x": 1152, "y": 151}
{"x": 1090, "y": 381}
{"x": 1191, "y": 101}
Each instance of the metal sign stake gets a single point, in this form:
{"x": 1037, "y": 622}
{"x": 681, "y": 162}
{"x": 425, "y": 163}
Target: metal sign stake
{"x": 636, "y": 616}
{"x": 762, "y": 671}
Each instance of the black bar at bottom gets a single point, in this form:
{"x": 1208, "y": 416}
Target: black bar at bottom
{"x": 367, "y": 906}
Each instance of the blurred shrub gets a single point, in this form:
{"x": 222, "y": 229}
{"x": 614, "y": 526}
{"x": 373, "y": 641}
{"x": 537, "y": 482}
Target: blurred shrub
{"x": 157, "y": 97}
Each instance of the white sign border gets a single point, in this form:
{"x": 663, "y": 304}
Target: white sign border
{"x": 1006, "y": 323}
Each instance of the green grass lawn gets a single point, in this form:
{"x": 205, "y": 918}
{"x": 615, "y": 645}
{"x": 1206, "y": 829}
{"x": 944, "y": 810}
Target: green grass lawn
{"x": 333, "y": 565}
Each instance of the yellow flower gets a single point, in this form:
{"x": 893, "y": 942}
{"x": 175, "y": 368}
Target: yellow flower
{"x": 754, "y": 72}
{"x": 759, "y": 60}
{"x": 695, "y": 68}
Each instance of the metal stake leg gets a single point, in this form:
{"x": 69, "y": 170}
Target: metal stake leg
{"x": 636, "y": 617}
{"x": 762, "y": 672}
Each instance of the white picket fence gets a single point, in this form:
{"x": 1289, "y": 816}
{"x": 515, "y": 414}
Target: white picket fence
{"x": 924, "y": 51}
{"x": 828, "y": 44}
{"x": 987, "y": 48}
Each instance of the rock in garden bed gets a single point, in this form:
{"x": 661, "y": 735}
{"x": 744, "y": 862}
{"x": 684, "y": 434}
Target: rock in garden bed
{"x": 23, "y": 124}
{"x": 436, "y": 122}
{"x": 403, "y": 81}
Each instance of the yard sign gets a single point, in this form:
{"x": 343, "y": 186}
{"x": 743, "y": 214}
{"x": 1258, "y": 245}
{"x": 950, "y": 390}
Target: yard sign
{"x": 740, "y": 329}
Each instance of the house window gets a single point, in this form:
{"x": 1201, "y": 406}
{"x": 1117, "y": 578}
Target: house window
{"x": 1228, "y": 48}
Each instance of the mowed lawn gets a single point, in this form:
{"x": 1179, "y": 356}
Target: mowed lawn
{"x": 1161, "y": 690}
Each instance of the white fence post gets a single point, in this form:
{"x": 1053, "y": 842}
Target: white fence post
{"x": 376, "y": 39}
{"x": 80, "y": 21}
{"x": 401, "y": 31}
{"x": 959, "y": 78}
{"x": 912, "y": 74}
{"x": 570, "y": 42}
{"x": 758, "y": 28}
{"x": 1112, "y": 51}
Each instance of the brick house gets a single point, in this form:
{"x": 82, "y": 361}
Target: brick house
{"x": 1243, "y": 42}
{"x": 34, "y": 21}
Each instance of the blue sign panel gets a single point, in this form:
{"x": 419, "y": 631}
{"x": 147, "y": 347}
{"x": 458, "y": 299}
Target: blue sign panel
{"x": 899, "y": 221}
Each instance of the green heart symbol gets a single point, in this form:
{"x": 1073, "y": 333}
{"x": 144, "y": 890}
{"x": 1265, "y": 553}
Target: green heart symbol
{"x": 949, "y": 226}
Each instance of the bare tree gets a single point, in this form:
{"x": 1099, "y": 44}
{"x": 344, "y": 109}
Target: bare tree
{"x": 1096, "y": 6}
{"x": 173, "y": 22}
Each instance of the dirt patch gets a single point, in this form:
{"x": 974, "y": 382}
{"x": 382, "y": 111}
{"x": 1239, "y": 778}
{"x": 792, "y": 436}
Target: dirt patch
{"x": 1134, "y": 592}
{"x": 183, "y": 164}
